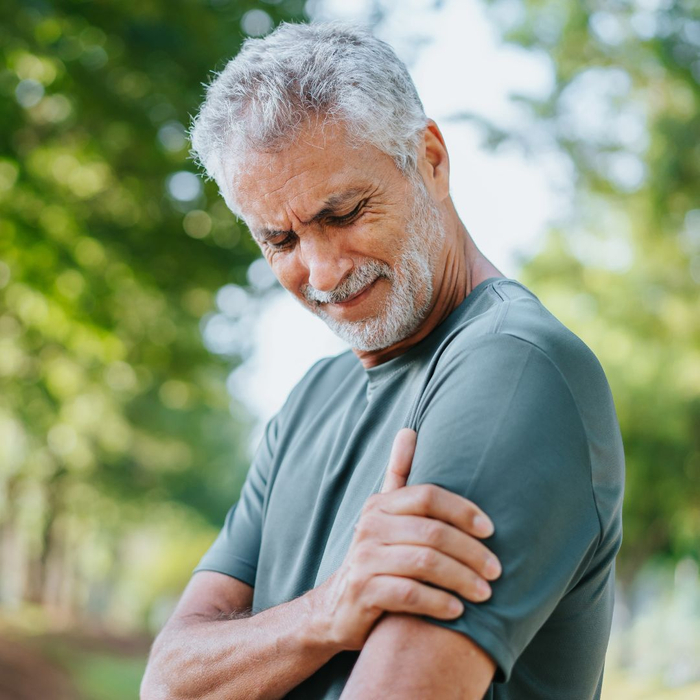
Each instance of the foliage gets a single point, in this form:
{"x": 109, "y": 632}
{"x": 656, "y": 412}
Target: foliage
{"x": 623, "y": 269}
{"x": 112, "y": 411}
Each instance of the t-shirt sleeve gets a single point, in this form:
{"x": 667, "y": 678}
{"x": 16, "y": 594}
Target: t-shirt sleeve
{"x": 237, "y": 546}
{"x": 498, "y": 425}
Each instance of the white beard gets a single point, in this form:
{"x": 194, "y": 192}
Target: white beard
{"x": 408, "y": 300}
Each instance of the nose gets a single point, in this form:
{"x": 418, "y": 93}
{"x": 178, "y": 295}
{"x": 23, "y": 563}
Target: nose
{"x": 328, "y": 266}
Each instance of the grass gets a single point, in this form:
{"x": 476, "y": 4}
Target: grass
{"x": 104, "y": 676}
{"x": 97, "y": 669}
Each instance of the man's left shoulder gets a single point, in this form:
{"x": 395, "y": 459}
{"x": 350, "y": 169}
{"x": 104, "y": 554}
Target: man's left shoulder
{"x": 519, "y": 323}
{"x": 534, "y": 371}
{"x": 517, "y": 344}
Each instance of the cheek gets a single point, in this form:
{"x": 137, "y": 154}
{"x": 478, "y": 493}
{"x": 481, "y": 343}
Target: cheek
{"x": 288, "y": 271}
{"x": 379, "y": 238}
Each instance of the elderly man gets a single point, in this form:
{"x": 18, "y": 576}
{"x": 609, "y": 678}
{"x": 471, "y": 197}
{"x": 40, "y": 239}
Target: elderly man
{"x": 335, "y": 574}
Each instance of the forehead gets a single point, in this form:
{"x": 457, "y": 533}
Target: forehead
{"x": 317, "y": 167}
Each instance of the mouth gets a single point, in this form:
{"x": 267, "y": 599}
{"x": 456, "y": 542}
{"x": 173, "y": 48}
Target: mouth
{"x": 358, "y": 297}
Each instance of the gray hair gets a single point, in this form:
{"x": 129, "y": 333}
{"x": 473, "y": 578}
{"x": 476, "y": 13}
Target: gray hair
{"x": 328, "y": 72}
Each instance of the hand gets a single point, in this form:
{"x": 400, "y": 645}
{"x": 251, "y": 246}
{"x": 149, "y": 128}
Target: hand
{"x": 407, "y": 534}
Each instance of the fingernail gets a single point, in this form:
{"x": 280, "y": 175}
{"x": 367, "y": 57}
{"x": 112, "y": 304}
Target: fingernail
{"x": 492, "y": 567}
{"x": 483, "y": 589}
{"x": 456, "y": 606}
{"x": 483, "y": 526}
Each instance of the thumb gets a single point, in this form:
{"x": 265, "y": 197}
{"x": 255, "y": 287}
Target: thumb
{"x": 400, "y": 460}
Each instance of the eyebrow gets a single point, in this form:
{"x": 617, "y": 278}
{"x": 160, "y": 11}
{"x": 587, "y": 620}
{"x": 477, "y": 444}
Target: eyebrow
{"x": 331, "y": 206}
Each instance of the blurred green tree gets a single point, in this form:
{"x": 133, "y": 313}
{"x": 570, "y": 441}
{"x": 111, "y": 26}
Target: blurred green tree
{"x": 113, "y": 413}
{"x": 623, "y": 268}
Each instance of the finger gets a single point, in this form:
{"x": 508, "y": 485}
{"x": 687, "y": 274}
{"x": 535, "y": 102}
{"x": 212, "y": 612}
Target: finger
{"x": 431, "y": 532}
{"x": 398, "y": 594}
{"x": 437, "y": 502}
{"x": 400, "y": 460}
{"x": 427, "y": 564}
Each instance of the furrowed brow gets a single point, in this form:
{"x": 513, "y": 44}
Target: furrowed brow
{"x": 336, "y": 202}
{"x": 332, "y": 205}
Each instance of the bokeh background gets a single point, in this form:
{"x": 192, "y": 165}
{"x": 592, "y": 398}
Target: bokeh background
{"x": 140, "y": 331}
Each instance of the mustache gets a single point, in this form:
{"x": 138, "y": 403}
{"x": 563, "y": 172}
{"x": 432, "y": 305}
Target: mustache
{"x": 355, "y": 282}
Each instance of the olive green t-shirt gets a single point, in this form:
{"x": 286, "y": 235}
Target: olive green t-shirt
{"x": 512, "y": 411}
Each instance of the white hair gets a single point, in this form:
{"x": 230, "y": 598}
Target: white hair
{"x": 302, "y": 74}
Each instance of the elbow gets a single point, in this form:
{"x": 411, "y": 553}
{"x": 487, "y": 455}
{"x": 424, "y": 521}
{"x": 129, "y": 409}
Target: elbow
{"x": 170, "y": 674}
{"x": 155, "y": 687}
{"x": 148, "y": 691}
{"x": 156, "y": 683}
{"x": 151, "y": 687}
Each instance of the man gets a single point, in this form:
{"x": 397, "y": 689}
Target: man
{"x": 333, "y": 574}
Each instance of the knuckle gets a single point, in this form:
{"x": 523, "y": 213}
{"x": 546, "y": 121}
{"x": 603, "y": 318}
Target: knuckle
{"x": 355, "y": 585}
{"x": 371, "y": 503}
{"x": 425, "y": 559}
{"x": 363, "y": 554}
{"x": 426, "y": 496}
{"x": 407, "y": 594}
{"x": 433, "y": 533}
{"x": 360, "y": 529}
{"x": 363, "y": 528}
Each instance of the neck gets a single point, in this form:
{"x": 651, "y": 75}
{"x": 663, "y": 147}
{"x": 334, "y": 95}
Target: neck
{"x": 462, "y": 267}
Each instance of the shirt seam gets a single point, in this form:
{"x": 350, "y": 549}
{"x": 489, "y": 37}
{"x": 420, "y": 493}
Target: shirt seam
{"x": 398, "y": 370}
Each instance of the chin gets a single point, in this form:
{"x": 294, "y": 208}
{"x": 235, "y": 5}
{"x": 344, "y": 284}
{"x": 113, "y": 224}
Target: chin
{"x": 373, "y": 333}
{"x": 401, "y": 313}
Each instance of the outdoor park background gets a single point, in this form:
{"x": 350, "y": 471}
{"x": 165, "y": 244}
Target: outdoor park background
{"x": 142, "y": 343}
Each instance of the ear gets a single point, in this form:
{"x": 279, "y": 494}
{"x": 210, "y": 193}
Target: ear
{"x": 434, "y": 162}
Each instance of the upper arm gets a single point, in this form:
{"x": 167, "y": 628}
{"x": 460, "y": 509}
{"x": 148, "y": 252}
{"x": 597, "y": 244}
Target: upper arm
{"x": 498, "y": 425}
{"x": 406, "y": 657}
{"x": 211, "y": 595}
{"x": 236, "y": 549}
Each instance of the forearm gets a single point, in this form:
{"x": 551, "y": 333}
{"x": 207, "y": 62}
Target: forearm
{"x": 407, "y": 658}
{"x": 262, "y": 656}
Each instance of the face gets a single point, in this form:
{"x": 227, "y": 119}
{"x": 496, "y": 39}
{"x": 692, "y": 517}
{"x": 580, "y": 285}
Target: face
{"x": 353, "y": 239}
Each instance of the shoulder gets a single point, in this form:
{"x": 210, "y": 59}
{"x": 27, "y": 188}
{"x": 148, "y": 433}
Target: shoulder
{"x": 504, "y": 384}
{"x": 530, "y": 375}
{"x": 515, "y": 347}
{"x": 513, "y": 323}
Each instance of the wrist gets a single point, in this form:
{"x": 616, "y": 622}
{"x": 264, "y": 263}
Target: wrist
{"x": 317, "y": 625}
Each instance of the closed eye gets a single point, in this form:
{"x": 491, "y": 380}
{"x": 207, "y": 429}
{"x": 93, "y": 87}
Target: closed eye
{"x": 347, "y": 218}
{"x": 344, "y": 220}
{"x": 284, "y": 243}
